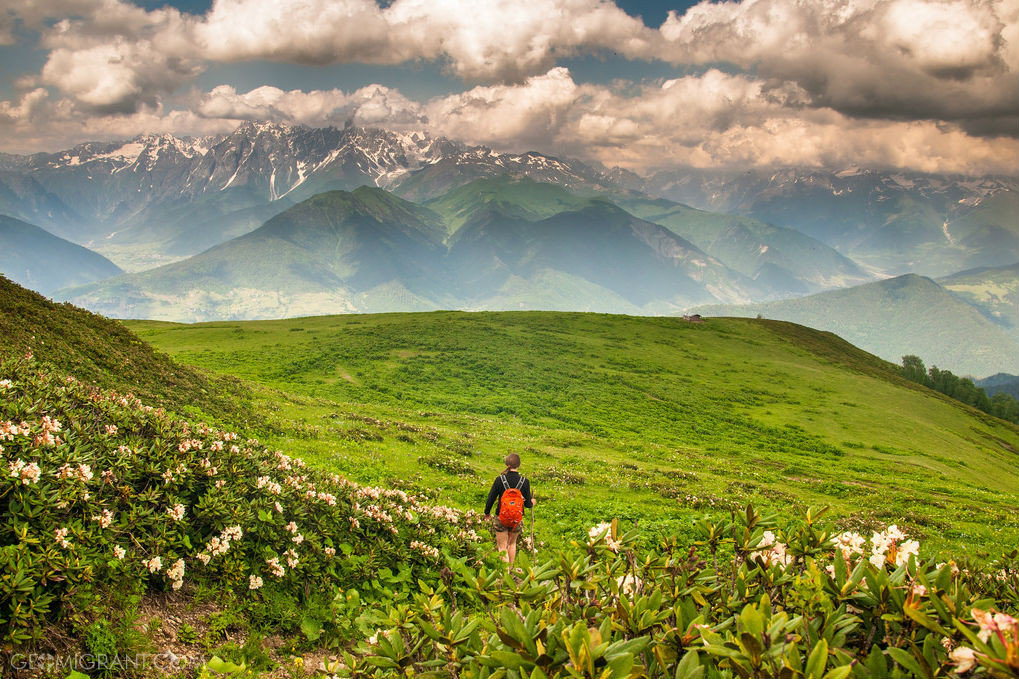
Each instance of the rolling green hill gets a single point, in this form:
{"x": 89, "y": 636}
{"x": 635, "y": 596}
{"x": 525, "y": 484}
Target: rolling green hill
{"x": 102, "y": 352}
{"x": 368, "y": 251}
{"x": 652, "y": 419}
{"x": 519, "y": 197}
{"x": 780, "y": 261}
{"x": 39, "y": 260}
{"x": 338, "y": 251}
{"x": 892, "y": 318}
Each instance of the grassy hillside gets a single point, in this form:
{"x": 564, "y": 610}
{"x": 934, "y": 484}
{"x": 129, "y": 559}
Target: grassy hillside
{"x": 899, "y": 316}
{"x": 99, "y": 351}
{"x": 649, "y": 419}
{"x": 128, "y": 532}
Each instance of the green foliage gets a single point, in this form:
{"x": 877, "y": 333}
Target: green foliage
{"x": 789, "y": 600}
{"x": 100, "y": 492}
{"x": 964, "y": 390}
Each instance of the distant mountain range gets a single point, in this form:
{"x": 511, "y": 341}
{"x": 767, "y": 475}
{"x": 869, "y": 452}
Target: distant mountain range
{"x": 484, "y": 246}
{"x": 275, "y": 220}
{"x": 893, "y": 222}
{"x": 158, "y": 198}
{"x": 37, "y": 259}
{"x": 1000, "y": 382}
{"x": 994, "y": 291}
{"x": 909, "y": 314}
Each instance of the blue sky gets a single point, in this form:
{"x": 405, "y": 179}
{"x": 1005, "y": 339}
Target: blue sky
{"x": 920, "y": 84}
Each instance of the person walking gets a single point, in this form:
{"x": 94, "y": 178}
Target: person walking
{"x": 510, "y": 494}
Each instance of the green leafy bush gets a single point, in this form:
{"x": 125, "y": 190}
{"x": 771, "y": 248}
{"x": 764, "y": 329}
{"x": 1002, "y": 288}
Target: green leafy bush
{"x": 99, "y": 491}
{"x": 754, "y": 597}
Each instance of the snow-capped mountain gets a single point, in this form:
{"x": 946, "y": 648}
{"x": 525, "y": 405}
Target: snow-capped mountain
{"x": 157, "y": 197}
{"x": 181, "y": 195}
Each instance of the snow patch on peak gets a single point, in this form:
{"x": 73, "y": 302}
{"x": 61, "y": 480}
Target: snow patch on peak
{"x": 851, "y": 171}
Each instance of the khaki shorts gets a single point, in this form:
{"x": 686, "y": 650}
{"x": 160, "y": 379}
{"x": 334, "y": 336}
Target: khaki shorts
{"x": 499, "y": 528}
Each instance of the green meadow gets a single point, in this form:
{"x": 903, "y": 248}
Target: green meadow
{"x": 656, "y": 421}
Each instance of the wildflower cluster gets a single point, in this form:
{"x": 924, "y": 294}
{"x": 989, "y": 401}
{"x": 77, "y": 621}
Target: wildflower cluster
{"x": 889, "y": 547}
{"x": 81, "y": 470}
{"x": 774, "y": 552}
{"x": 995, "y": 646}
{"x": 606, "y": 609}
{"x": 604, "y": 533}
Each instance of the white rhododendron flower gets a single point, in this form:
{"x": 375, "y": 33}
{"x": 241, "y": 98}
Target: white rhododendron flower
{"x": 60, "y": 535}
{"x": 628, "y": 584}
{"x": 964, "y": 658}
{"x": 119, "y": 551}
{"x": 275, "y": 567}
{"x": 776, "y": 554}
{"x": 104, "y": 519}
{"x": 176, "y": 573}
{"x": 850, "y": 544}
{"x": 603, "y": 530}
{"x": 154, "y": 564}
{"x": 424, "y": 549}
{"x": 26, "y": 473}
{"x": 176, "y": 512}
{"x": 254, "y": 582}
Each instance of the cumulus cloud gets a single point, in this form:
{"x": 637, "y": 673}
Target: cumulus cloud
{"x": 24, "y": 109}
{"x": 929, "y": 84}
{"x": 508, "y": 41}
{"x": 368, "y": 106}
{"x": 528, "y": 115}
{"x": 714, "y": 119}
{"x": 114, "y": 56}
{"x": 898, "y": 59}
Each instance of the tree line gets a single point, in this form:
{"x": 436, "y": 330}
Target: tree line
{"x": 960, "y": 388}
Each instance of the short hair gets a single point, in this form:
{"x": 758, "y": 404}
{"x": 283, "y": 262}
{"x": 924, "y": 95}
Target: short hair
{"x": 512, "y": 462}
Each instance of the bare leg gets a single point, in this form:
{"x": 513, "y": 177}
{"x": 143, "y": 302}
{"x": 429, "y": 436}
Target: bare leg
{"x": 511, "y": 547}
{"x": 502, "y": 540}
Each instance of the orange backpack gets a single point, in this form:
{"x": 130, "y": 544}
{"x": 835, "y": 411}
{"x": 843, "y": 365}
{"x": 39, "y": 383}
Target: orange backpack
{"x": 511, "y": 506}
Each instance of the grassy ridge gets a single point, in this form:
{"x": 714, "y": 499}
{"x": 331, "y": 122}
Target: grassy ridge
{"x": 99, "y": 351}
{"x": 653, "y": 419}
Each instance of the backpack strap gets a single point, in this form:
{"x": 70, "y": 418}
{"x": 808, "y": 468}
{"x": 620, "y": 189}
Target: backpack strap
{"x": 520, "y": 483}
{"x": 505, "y": 483}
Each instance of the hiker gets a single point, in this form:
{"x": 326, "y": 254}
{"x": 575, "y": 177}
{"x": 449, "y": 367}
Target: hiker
{"x": 510, "y": 494}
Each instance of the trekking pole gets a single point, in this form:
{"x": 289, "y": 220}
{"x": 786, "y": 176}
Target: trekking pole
{"x": 532, "y": 534}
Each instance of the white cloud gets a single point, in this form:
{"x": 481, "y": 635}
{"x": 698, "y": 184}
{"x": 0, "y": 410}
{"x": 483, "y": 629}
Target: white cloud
{"x": 508, "y": 41}
{"x": 23, "y": 111}
{"x": 528, "y": 115}
{"x": 368, "y": 106}
{"x": 714, "y": 119}
{"x": 880, "y": 82}
{"x": 898, "y": 59}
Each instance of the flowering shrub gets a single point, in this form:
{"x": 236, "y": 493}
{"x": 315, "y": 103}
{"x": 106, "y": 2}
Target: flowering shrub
{"x": 786, "y": 599}
{"x": 99, "y": 490}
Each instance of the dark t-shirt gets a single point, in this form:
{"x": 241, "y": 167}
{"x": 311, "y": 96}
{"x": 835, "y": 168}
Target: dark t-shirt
{"x": 495, "y": 495}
